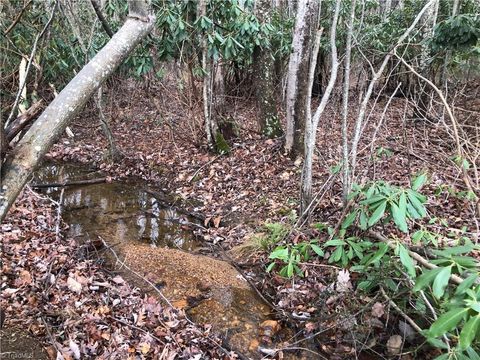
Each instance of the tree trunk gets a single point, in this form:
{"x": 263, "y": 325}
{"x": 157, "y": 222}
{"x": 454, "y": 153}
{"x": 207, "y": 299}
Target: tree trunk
{"x": 421, "y": 96}
{"x": 312, "y": 123}
{"x": 376, "y": 76}
{"x": 113, "y": 153}
{"x": 50, "y": 125}
{"x": 264, "y": 69}
{"x": 207, "y": 81}
{"x": 297, "y": 82}
{"x": 345, "y": 93}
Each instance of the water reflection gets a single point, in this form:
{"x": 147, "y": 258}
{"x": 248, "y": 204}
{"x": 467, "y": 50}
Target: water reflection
{"x": 122, "y": 210}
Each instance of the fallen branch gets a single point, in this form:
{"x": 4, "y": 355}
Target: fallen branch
{"x": 23, "y": 120}
{"x": 70, "y": 183}
{"x": 401, "y": 312}
{"x": 420, "y": 259}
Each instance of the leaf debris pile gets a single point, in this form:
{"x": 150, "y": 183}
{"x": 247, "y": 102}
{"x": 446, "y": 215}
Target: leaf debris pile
{"x": 53, "y": 288}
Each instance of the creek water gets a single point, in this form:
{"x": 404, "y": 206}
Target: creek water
{"x": 157, "y": 242}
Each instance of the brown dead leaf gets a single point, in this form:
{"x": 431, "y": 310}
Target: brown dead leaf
{"x": 206, "y": 221}
{"x": 216, "y": 221}
{"x": 144, "y": 348}
{"x": 378, "y": 310}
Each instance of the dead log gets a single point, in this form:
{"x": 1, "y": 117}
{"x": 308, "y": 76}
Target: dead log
{"x": 48, "y": 128}
{"x": 70, "y": 183}
{"x": 23, "y": 120}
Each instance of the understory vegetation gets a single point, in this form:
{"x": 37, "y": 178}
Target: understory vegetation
{"x": 327, "y": 150}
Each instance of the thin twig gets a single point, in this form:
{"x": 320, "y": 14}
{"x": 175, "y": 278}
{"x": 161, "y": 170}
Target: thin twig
{"x": 401, "y": 312}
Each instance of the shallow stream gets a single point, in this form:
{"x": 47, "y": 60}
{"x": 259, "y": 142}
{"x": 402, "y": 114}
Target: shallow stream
{"x": 158, "y": 242}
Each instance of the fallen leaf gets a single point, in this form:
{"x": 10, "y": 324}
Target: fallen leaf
{"x": 394, "y": 345}
{"x": 74, "y": 285}
{"x": 144, "y": 348}
{"x": 216, "y": 221}
{"x": 378, "y": 309}
{"x": 75, "y": 349}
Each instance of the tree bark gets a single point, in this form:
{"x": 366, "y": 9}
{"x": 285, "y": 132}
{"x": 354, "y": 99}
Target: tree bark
{"x": 264, "y": 69}
{"x": 207, "y": 81}
{"x": 312, "y": 123}
{"x": 345, "y": 94}
{"x": 22, "y": 121}
{"x": 113, "y": 153}
{"x": 297, "y": 82}
{"x": 50, "y": 125}
{"x": 103, "y": 21}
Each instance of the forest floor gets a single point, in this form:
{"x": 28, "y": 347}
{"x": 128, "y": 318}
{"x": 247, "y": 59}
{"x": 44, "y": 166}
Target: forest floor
{"x": 161, "y": 140}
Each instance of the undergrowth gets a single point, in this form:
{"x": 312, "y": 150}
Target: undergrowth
{"x": 445, "y": 288}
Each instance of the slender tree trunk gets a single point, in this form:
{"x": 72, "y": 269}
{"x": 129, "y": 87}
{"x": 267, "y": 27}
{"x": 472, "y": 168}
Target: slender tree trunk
{"x": 345, "y": 94}
{"x": 376, "y": 76}
{"x": 444, "y": 78}
{"x": 421, "y": 96}
{"x": 96, "y": 6}
{"x": 113, "y": 153}
{"x": 50, "y": 125}
{"x": 297, "y": 81}
{"x": 312, "y": 123}
{"x": 207, "y": 82}
{"x": 264, "y": 67}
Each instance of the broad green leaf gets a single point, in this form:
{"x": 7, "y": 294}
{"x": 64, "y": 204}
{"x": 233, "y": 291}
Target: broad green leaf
{"x": 447, "y": 322}
{"x": 466, "y": 261}
{"x": 372, "y": 200}
{"x": 417, "y": 204}
{"x": 363, "y": 220}
{"x": 337, "y": 254}
{"x": 378, "y": 214}
{"x": 441, "y": 281}
{"x": 475, "y": 306}
{"x": 406, "y": 260}
{"x": 279, "y": 253}
{"x": 417, "y": 236}
{"x": 466, "y": 284}
{"x": 412, "y": 212}
{"x": 290, "y": 270}
{"x": 469, "y": 331}
{"x": 317, "y": 250}
{"x": 419, "y": 181}
{"x": 402, "y": 205}
{"x": 270, "y": 267}
{"x": 472, "y": 354}
{"x": 426, "y": 279}
{"x": 349, "y": 219}
{"x": 438, "y": 344}
{"x": 382, "y": 249}
{"x": 335, "y": 242}
{"x": 399, "y": 217}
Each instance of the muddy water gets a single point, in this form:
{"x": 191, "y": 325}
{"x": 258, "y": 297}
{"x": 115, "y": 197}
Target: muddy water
{"x": 158, "y": 243}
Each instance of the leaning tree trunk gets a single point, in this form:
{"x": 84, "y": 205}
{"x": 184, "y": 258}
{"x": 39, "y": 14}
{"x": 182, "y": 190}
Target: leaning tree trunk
{"x": 264, "y": 69}
{"x": 50, "y": 125}
{"x": 297, "y": 82}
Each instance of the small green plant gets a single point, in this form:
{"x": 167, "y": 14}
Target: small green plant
{"x": 346, "y": 249}
{"x": 290, "y": 256}
{"x": 379, "y": 200}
